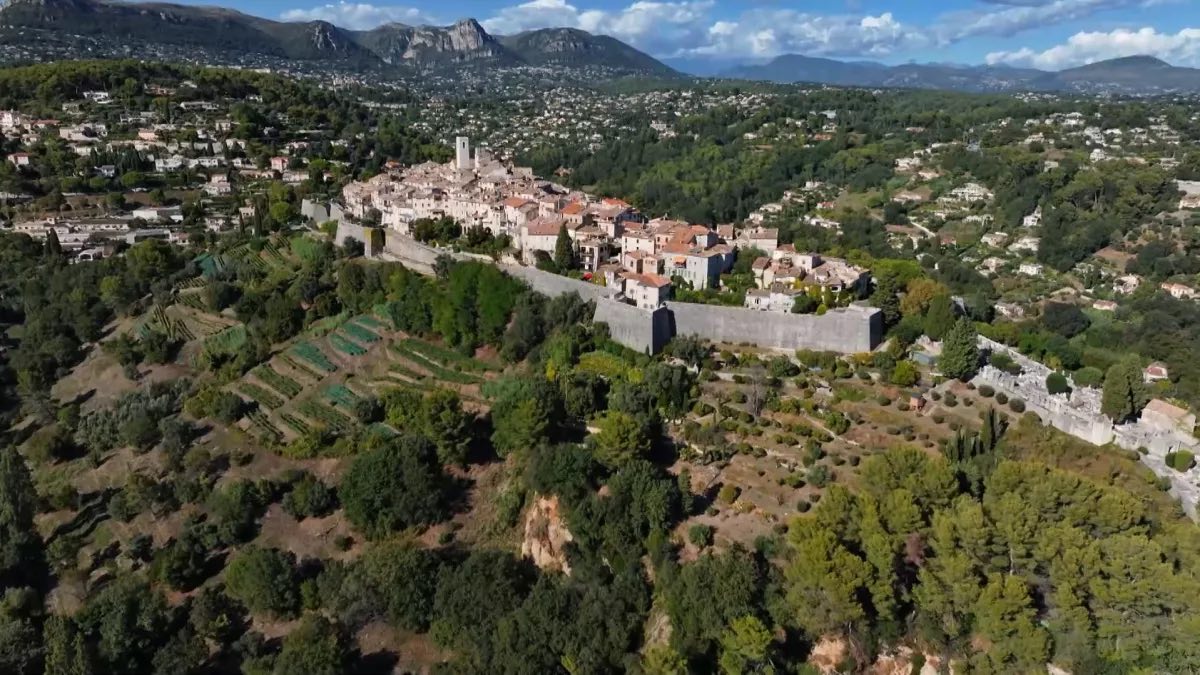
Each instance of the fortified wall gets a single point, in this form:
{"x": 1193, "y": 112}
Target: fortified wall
{"x": 1079, "y": 414}
{"x": 846, "y": 331}
{"x": 372, "y": 238}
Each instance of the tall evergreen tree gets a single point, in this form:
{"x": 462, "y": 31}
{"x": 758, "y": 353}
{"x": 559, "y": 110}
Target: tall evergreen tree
{"x": 1124, "y": 393}
{"x": 887, "y": 298}
{"x": 53, "y": 248}
{"x": 66, "y": 653}
{"x": 564, "y": 252}
{"x": 960, "y": 351}
{"x": 20, "y": 545}
{"x": 940, "y": 317}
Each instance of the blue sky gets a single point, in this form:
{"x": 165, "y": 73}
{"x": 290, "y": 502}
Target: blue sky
{"x": 1049, "y": 34}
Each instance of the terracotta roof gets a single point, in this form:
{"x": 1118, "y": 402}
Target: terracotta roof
{"x": 516, "y": 202}
{"x": 572, "y": 209}
{"x": 651, "y": 280}
{"x": 543, "y": 228}
{"x": 1166, "y": 409}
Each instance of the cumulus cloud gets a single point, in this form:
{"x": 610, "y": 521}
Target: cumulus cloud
{"x": 1182, "y": 48}
{"x": 359, "y": 16}
{"x": 763, "y": 33}
{"x": 645, "y": 24}
{"x": 687, "y": 28}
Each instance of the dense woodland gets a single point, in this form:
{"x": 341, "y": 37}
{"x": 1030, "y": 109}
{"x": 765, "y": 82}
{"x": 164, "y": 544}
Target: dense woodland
{"x": 948, "y": 553}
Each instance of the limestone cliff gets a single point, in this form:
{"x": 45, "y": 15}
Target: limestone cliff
{"x": 546, "y": 536}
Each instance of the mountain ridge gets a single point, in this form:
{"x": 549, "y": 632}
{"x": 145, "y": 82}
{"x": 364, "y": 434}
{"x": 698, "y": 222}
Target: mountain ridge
{"x": 1139, "y": 74}
{"x": 389, "y": 45}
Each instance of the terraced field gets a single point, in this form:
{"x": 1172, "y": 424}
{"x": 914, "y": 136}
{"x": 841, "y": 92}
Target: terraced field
{"x": 316, "y": 382}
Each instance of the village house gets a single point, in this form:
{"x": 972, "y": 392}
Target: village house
{"x": 647, "y": 291}
{"x": 971, "y": 192}
{"x": 778, "y": 297}
{"x": 786, "y": 266}
{"x": 1179, "y": 291}
{"x": 1126, "y": 284}
{"x": 1156, "y": 372}
{"x": 1160, "y": 415}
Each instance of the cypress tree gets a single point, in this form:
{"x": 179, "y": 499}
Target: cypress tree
{"x": 960, "y": 351}
{"x": 53, "y": 248}
{"x": 564, "y": 253}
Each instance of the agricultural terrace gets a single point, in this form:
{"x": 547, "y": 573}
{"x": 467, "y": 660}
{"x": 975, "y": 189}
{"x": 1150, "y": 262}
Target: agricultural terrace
{"x": 770, "y": 433}
{"x": 318, "y": 382}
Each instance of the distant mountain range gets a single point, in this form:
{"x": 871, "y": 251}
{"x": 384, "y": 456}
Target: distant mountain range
{"x": 391, "y": 45}
{"x": 136, "y": 27}
{"x": 1135, "y": 75}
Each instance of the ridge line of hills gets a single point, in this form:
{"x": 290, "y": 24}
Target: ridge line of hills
{"x": 134, "y": 25}
{"x": 1126, "y": 75}
{"x": 390, "y": 45}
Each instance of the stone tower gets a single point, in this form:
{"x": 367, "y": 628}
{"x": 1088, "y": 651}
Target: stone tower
{"x": 462, "y": 152}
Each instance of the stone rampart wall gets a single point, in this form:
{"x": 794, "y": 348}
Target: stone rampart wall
{"x": 846, "y": 331}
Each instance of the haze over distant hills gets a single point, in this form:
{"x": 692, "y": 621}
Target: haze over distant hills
{"x": 1130, "y": 75}
{"x": 390, "y": 45}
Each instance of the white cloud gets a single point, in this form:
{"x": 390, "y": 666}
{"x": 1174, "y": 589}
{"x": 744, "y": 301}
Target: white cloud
{"x": 1182, "y": 48}
{"x": 646, "y": 24}
{"x": 359, "y": 16}
{"x": 764, "y": 33}
{"x": 687, "y": 28}
{"x": 1018, "y": 16}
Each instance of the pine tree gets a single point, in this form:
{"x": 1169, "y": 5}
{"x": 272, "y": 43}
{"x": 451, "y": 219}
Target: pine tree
{"x": 960, "y": 351}
{"x": 1005, "y": 615}
{"x": 564, "y": 253}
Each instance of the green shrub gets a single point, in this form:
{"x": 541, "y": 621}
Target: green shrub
{"x": 1017, "y": 405}
{"x": 986, "y": 391}
{"x": 1001, "y": 398}
{"x": 1056, "y": 383}
{"x": 728, "y": 493}
{"x": 700, "y": 535}
{"x": 1181, "y": 460}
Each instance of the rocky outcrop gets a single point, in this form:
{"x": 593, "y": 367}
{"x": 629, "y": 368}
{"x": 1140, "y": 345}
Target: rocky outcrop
{"x": 425, "y": 47}
{"x": 546, "y": 536}
{"x": 830, "y": 654}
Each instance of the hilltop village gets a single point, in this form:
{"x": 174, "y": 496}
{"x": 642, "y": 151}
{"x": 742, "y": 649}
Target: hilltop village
{"x": 609, "y": 240}
{"x": 299, "y": 378}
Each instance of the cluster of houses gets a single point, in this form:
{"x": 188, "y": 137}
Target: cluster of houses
{"x": 611, "y": 241}
{"x": 197, "y": 137}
